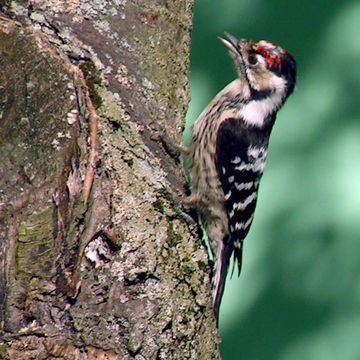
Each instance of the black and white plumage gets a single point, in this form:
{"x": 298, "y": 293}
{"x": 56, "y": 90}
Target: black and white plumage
{"x": 229, "y": 148}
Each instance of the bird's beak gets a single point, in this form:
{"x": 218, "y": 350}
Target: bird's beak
{"x": 230, "y": 43}
{"x": 237, "y": 50}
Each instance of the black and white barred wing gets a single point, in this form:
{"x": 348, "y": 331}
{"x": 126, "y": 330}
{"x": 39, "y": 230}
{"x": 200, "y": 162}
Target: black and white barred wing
{"x": 240, "y": 165}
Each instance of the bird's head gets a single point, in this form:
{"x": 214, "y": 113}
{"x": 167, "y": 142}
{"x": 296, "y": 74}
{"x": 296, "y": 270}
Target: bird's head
{"x": 266, "y": 67}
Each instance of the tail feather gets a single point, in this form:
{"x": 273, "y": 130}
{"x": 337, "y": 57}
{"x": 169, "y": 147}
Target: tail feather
{"x": 221, "y": 270}
{"x": 238, "y": 252}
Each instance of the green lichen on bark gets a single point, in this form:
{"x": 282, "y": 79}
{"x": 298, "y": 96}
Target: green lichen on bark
{"x": 4, "y": 354}
{"x": 35, "y": 246}
{"x": 92, "y": 77}
{"x": 163, "y": 50}
{"x": 173, "y": 237}
{"x": 38, "y": 142}
{"x": 168, "y": 235}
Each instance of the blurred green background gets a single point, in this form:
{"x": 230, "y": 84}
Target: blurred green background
{"x": 298, "y": 296}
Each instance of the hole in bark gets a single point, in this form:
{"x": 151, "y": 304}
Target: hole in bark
{"x": 141, "y": 277}
{"x": 115, "y": 125}
{"x": 168, "y": 326}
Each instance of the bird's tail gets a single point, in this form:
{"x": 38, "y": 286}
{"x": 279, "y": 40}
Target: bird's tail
{"x": 221, "y": 270}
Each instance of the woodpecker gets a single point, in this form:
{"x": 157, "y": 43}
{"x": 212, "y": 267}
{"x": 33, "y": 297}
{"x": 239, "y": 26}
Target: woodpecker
{"x": 229, "y": 149}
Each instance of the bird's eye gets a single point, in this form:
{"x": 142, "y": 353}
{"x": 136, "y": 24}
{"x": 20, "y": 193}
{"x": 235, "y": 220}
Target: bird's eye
{"x": 252, "y": 59}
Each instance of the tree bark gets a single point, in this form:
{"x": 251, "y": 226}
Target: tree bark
{"x": 97, "y": 258}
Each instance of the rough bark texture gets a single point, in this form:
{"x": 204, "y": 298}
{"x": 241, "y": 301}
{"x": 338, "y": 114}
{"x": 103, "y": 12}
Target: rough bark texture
{"x": 97, "y": 258}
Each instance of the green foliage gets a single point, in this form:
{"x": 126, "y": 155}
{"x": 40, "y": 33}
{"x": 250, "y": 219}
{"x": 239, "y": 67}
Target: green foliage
{"x": 299, "y": 293}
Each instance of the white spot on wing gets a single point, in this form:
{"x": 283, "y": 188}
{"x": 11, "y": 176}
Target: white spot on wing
{"x": 258, "y": 166}
{"x": 258, "y": 155}
{"x": 244, "y": 226}
{"x": 256, "y": 152}
{"x": 243, "y": 186}
{"x": 227, "y": 196}
{"x": 238, "y": 244}
{"x": 237, "y": 160}
{"x": 242, "y": 205}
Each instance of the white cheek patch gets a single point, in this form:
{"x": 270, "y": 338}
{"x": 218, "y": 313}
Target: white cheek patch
{"x": 255, "y": 112}
{"x": 278, "y": 83}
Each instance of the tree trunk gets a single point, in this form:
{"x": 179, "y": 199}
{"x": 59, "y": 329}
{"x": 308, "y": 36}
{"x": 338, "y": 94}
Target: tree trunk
{"x": 97, "y": 258}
